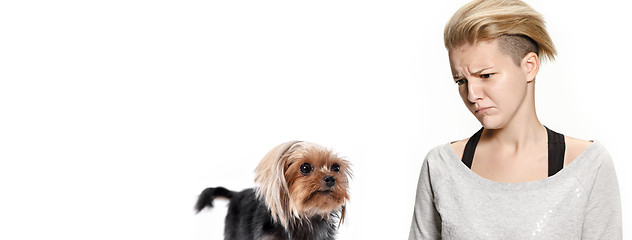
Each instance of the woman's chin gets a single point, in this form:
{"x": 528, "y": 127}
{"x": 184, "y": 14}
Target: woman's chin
{"x": 489, "y": 122}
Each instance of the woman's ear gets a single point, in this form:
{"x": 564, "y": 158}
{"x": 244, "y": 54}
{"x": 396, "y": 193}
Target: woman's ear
{"x": 530, "y": 64}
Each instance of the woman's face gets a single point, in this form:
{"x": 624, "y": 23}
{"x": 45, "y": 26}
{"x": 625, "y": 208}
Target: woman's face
{"x": 493, "y": 87}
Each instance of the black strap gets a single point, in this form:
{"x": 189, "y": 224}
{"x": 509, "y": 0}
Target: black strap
{"x": 470, "y": 147}
{"x": 557, "y": 147}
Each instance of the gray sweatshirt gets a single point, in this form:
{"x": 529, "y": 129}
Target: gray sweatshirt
{"x": 579, "y": 202}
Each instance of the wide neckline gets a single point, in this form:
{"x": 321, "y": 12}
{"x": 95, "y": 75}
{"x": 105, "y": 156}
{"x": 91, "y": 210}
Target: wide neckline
{"x": 467, "y": 173}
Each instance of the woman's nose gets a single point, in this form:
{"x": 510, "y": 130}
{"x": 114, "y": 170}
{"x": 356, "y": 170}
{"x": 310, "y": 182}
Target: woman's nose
{"x": 474, "y": 92}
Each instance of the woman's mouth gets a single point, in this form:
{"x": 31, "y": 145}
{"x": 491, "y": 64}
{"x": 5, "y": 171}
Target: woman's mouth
{"x": 482, "y": 110}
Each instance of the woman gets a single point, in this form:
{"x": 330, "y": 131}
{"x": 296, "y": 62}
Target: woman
{"x": 515, "y": 178}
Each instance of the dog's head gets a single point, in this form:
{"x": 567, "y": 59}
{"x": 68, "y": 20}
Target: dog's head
{"x": 301, "y": 180}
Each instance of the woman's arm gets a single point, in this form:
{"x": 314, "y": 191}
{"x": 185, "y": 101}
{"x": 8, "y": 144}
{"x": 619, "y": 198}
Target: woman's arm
{"x": 426, "y": 222}
{"x": 603, "y": 211}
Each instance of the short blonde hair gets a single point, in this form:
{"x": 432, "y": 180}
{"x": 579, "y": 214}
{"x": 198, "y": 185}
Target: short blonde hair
{"x": 513, "y": 22}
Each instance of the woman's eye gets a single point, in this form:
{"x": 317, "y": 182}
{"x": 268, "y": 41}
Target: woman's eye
{"x": 487, "y": 75}
{"x": 306, "y": 168}
{"x": 461, "y": 81}
{"x": 335, "y": 167}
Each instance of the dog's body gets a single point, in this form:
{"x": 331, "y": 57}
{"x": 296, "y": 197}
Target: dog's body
{"x": 249, "y": 218}
{"x": 302, "y": 192}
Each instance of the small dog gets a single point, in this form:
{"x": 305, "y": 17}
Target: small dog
{"x": 302, "y": 193}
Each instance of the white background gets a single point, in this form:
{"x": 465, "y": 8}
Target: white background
{"x": 114, "y": 115}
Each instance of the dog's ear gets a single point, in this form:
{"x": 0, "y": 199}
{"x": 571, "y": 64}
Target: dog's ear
{"x": 342, "y": 216}
{"x": 270, "y": 176}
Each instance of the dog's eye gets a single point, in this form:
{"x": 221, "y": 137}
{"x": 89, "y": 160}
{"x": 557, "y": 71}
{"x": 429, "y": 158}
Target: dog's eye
{"x": 306, "y": 168}
{"x": 335, "y": 167}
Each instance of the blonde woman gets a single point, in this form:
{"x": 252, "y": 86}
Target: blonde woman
{"x": 515, "y": 178}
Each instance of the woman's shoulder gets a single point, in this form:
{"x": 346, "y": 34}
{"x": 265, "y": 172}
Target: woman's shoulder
{"x": 443, "y": 156}
{"x": 592, "y": 163}
{"x": 459, "y": 146}
{"x": 443, "y": 151}
{"x": 440, "y": 161}
{"x": 586, "y": 159}
{"x": 574, "y": 148}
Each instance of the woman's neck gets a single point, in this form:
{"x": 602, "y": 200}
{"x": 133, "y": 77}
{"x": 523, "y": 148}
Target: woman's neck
{"x": 518, "y": 135}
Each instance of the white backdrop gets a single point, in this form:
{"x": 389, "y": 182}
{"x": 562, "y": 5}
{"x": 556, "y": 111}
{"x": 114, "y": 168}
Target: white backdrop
{"x": 114, "y": 115}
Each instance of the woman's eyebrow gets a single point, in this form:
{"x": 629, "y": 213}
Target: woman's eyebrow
{"x": 474, "y": 73}
{"x": 480, "y": 71}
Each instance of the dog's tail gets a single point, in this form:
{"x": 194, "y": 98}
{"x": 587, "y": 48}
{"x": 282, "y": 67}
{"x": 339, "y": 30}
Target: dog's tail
{"x": 208, "y": 195}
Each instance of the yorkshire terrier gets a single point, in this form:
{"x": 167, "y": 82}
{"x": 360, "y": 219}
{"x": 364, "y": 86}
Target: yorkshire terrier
{"x": 301, "y": 195}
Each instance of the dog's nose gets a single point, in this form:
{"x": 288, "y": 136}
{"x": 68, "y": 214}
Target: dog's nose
{"x": 329, "y": 181}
